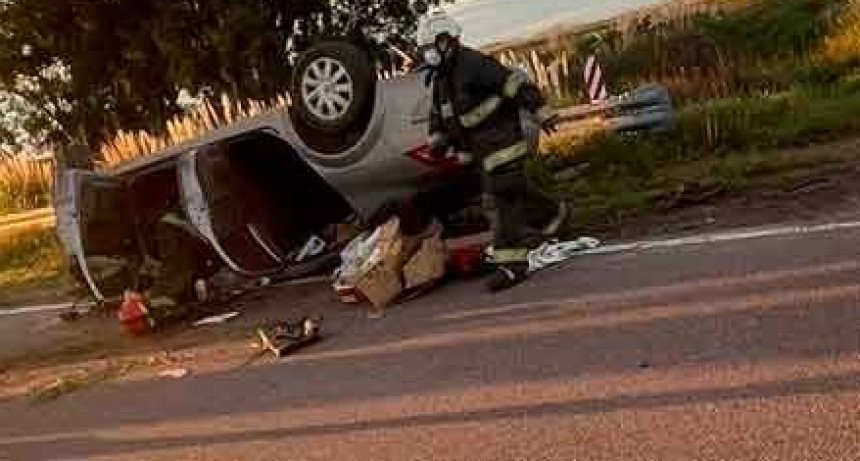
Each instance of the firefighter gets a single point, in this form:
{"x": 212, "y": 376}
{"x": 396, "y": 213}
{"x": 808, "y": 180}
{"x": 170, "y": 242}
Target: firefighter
{"x": 478, "y": 107}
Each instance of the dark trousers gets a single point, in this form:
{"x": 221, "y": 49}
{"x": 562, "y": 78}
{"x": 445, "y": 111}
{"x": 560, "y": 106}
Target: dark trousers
{"x": 517, "y": 207}
{"x": 521, "y": 209}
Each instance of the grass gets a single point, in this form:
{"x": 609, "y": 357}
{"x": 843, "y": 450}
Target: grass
{"x": 30, "y": 260}
{"x": 719, "y": 146}
{"x": 703, "y": 49}
{"x": 24, "y": 184}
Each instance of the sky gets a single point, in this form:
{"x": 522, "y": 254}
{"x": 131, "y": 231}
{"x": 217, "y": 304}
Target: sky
{"x": 489, "y": 21}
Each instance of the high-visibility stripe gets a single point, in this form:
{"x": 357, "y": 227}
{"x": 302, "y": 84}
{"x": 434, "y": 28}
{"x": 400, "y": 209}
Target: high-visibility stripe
{"x": 513, "y": 84}
{"x": 481, "y": 113}
{"x": 594, "y": 83}
{"x": 505, "y": 156}
{"x": 510, "y": 255}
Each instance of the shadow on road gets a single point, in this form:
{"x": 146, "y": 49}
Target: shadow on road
{"x": 94, "y": 446}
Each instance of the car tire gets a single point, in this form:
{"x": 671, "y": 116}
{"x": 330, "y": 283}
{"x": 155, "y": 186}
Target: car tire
{"x": 332, "y": 85}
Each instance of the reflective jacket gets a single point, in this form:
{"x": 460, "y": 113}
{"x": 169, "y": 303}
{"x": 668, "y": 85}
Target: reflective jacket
{"x": 476, "y": 107}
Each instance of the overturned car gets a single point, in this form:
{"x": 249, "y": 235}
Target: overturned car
{"x": 252, "y": 196}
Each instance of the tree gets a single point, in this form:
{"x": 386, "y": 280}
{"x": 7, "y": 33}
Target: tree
{"x": 94, "y": 66}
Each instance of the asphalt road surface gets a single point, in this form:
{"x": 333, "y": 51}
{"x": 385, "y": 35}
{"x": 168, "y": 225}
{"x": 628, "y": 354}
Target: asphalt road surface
{"x": 745, "y": 349}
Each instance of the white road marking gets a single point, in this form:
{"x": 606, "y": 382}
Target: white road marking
{"x": 732, "y": 236}
{"x": 35, "y": 309}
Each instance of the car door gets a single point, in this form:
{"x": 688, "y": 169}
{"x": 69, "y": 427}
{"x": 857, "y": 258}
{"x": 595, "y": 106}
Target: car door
{"x": 96, "y": 226}
{"x": 213, "y": 206}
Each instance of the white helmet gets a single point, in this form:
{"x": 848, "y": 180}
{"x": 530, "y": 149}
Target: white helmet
{"x": 436, "y": 24}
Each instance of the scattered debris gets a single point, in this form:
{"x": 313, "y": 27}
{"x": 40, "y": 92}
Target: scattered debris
{"x": 76, "y": 311}
{"x": 555, "y": 252}
{"x": 371, "y": 266}
{"x": 134, "y": 315}
{"x": 160, "y": 360}
{"x": 78, "y": 380}
{"x": 216, "y": 319}
{"x": 176, "y": 373}
{"x": 313, "y": 247}
{"x": 289, "y": 337}
{"x": 378, "y": 267}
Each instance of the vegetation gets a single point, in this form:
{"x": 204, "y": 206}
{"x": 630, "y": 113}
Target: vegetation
{"x": 28, "y": 258}
{"x": 771, "y": 75}
{"x": 24, "y": 184}
{"x": 716, "y": 146}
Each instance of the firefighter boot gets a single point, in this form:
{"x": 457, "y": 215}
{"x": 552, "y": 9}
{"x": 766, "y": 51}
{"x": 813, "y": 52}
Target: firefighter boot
{"x": 507, "y": 276}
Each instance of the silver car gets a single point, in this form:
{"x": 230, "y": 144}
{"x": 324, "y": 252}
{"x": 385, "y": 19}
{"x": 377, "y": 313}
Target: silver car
{"x": 255, "y": 192}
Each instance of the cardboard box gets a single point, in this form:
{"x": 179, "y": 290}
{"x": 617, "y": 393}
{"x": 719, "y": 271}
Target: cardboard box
{"x": 396, "y": 263}
{"x": 381, "y": 285}
{"x": 427, "y": 265}
{"x": 380, "y": 281}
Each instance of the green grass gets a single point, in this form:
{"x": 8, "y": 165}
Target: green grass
{"x": 720, "y": 146}
{"x": 29, "y": 260}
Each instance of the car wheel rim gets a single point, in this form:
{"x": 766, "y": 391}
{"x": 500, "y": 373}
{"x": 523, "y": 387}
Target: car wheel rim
{"x": 327, "y": 89}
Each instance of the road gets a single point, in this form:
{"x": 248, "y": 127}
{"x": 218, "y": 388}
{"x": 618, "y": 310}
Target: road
{"x": 740, "y": 348}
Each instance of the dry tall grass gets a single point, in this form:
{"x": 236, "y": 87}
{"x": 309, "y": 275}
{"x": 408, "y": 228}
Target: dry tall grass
{"x": 205, "y": 117}
{"x": 24, "y": 184}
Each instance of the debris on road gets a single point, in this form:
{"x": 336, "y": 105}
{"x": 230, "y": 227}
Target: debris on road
{"x": 216, "y": 319}
{"x": 379, "y": 267}
{"x": 315, "y": 246}
{"x": 552, "y": 253}
{"x": 134, "y": 315}
{"x": 176, "y": 373}
{"x": 288, "y": 337}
